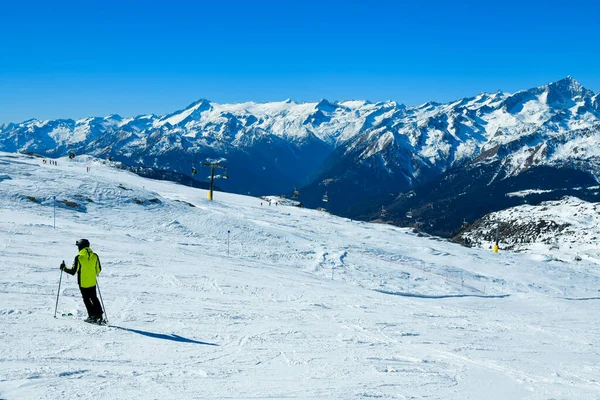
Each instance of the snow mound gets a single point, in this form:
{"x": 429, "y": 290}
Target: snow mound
{"x": 566, "y": 229}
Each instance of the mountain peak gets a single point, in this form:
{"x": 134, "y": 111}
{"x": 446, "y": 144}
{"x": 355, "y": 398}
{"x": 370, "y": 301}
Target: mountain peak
{"x": 184, "y": 115}
{"x": 205, "y": 104}
{"x": 115, "y": 117}
{"x": 326, "y": 105}
{"x": 568, "y": 86}
{"x": 566, "y": 92}
{"x": 568, "y": 82}
{"x": 569, "y": 78}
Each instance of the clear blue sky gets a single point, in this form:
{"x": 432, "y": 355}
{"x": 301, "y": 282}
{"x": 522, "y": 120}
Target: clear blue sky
{"x": 92, "y": 58}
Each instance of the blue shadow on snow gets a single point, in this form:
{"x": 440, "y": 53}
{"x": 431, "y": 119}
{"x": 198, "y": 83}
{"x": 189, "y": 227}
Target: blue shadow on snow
{"x": 173, "y": 337}
{"x": 443, "y": 296}
{"x": 580, "y": 298}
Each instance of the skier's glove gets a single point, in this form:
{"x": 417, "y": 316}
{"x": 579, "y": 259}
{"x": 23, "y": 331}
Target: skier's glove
{"x": 63, "y": 266}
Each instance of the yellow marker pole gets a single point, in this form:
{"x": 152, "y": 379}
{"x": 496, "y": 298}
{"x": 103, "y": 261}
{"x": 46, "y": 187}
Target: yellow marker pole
{"x": 212, "y": 178}
{"x": 497, "y": 237}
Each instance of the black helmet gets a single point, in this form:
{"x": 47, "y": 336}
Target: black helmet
{"x": 82, "y": 243}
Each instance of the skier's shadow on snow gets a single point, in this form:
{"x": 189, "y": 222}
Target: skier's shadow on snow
{"x": 173, "y": 337}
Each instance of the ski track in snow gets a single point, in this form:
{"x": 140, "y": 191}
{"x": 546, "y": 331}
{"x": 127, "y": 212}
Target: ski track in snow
{"x": 196, "y": 312}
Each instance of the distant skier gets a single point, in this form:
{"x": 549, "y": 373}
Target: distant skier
{"x": 87, "y": 266}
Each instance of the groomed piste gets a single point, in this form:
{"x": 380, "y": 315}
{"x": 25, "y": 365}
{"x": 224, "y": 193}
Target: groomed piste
{"x": 233, "y": 299}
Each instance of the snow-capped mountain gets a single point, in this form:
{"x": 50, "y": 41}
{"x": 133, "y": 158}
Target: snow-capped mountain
{"x": 351, "y": 149}
{"x": 563, "y": 229}
{"x": 549, "y": 125}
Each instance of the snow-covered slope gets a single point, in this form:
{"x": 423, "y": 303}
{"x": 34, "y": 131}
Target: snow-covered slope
{"x": 231, "y": 299}
{"x": 566, "y": 229}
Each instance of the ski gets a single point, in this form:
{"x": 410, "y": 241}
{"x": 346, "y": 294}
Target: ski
{"x": 71, "y": 315}
{"x": 102, "y": 322}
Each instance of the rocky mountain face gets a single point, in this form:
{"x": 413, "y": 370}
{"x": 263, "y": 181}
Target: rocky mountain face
{"x": 465, "y": 194}
{"x": 363, "y": 155}
{"x": 547, "y": 164}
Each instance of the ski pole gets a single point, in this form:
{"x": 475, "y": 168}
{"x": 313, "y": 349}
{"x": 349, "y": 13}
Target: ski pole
{"x": 58, "y": 294}
{"x": 101, "y": 301}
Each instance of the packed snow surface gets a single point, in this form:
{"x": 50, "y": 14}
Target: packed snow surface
{"x": 231, "y": 299}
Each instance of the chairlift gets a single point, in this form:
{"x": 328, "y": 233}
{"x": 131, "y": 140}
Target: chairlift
{"x": 225, "y": 175}
{"x": 383, "y": 211}
{"x": 409, "y": 214}
{"x": 71, "y": 155}
{"x": 325, "y": 198}
{"x": 296, "y": 194}
{"x": 194, "y": 170}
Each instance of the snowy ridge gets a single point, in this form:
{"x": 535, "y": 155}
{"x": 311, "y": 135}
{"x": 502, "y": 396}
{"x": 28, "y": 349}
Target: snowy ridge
{"x": 566, "y": 229}
{"x": 228, "y": 299}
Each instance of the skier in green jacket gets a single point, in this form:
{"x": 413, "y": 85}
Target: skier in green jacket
{"x": 87, "y": 266}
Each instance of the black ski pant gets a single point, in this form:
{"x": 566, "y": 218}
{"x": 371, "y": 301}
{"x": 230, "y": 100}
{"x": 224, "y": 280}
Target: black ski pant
{"x": 92, "y": 304}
